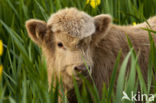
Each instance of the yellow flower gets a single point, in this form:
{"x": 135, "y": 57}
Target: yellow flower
{"x": 1, "y": 47}
{"x": 1, "y": 69}
{"x": 94, "y": 3}
{"x": 134, "y": 23}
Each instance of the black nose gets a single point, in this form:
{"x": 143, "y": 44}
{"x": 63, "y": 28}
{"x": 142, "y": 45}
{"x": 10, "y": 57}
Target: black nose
{"x": 81, "y": 68}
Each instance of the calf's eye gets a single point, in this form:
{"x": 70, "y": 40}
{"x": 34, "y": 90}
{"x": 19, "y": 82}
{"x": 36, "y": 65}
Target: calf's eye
{"x": 60, "y": 45}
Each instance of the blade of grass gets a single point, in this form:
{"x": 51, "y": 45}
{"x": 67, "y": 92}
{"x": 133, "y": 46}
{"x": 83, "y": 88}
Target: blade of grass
{"x": 120, "y": 81}
{"x": 112, "y": 81}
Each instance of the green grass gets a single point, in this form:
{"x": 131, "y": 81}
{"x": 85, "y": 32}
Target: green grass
{"x": 24, "y": 78}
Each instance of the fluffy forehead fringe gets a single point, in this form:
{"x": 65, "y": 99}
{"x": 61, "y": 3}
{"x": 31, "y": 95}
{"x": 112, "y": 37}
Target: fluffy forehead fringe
{"x": 75, "y": 23}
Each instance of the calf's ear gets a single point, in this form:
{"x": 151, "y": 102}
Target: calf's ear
{"x": 102, "y": 23}
{"x": 36, "y": 30}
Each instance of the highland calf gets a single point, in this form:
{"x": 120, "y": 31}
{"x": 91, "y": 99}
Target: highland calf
{"x": 71, "y": 36}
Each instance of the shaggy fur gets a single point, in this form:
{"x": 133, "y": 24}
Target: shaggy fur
{"x": 81, "y": 24}
{"x": 70, "y": 35}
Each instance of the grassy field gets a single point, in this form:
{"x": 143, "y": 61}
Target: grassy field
{"x": 24, "y": 77}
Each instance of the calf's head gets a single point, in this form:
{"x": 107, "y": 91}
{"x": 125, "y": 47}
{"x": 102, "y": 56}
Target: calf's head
{"x": 67, "y": 41}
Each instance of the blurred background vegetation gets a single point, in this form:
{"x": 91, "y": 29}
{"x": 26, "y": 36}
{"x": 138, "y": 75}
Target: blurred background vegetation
{"x": 24, "y": 77}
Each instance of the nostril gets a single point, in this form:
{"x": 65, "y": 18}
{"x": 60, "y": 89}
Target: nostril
{"x": 81, "y": 68}
{"x": 76, "y": 68}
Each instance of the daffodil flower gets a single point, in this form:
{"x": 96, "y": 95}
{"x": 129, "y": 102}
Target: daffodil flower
{"x": 94, "y": 3}
{"x": 1, "y": 47}
{"x": 134, "y": 23}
